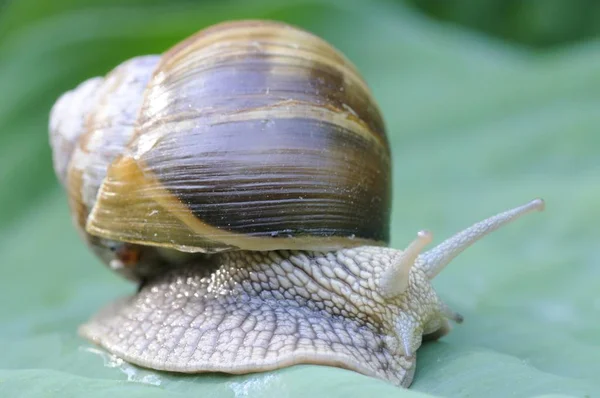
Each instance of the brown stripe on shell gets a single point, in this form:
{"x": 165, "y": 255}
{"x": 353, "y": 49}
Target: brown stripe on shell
{"x": 278, "y": 177}
{"x": 250, "y": 64}
{"x": 176, "y": 123}
{"x": 225, "y": 33}
{"x": 134, "y": 207}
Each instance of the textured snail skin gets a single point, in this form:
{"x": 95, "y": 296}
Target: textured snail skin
{"x": 366, "y": 309}
{"x": 257, "y": 311}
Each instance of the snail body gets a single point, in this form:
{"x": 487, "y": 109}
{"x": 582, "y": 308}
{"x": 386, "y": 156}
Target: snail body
{"x": 243, "y": 178}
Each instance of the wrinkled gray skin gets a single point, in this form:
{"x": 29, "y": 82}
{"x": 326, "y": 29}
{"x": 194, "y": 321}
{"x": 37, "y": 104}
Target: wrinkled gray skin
{"x": 250, "y": 311}
{"x": 366, "y": 309}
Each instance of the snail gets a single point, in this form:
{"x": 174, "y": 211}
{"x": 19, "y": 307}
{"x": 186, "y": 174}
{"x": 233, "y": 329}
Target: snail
{"x": 243, "y": 180}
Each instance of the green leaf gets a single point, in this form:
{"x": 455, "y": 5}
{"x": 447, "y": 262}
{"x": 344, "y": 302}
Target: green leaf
{"x": 476, "y": 126}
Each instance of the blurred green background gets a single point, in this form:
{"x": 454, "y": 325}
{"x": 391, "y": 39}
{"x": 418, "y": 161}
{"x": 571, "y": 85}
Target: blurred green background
{"x": 488, "y": 105}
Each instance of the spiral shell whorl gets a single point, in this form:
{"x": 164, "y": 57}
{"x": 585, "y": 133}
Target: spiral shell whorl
{"x": 67, "y": 121}
{"x": 91, "y": 126}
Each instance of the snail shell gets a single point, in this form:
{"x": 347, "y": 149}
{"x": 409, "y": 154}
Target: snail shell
{"x": 244, "y": 178}
{"x": 248, "y": 135}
